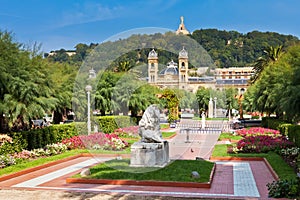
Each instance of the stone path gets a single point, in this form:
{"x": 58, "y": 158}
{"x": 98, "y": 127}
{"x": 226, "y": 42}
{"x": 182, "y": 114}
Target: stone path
{"x": 232, "y": 180}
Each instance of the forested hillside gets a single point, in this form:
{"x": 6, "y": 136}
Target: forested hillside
{"x": 226, "y": 48}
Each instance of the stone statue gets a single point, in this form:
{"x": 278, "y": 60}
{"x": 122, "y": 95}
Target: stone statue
{"x": 152, "y": 150}
{"x": 149, "y": 128}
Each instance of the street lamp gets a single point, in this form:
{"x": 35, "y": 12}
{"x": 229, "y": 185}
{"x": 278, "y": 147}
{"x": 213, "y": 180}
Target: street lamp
{"x": 88, "y": 90}
{"x": 215, "y": 99}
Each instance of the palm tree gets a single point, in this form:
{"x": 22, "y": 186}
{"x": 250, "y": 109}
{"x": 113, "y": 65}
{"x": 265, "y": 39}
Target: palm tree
{"x": 272, "y": 54}
{"x": 202, "y": 96}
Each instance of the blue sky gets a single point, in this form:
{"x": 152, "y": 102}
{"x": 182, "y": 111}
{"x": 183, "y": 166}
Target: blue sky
{"x": 60, "y": 24}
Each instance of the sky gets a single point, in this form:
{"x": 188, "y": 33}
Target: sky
{"x": 57, "y": 24}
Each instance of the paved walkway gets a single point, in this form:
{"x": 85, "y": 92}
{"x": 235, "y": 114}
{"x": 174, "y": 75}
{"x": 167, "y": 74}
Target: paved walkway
{"x": 232, "y": 180}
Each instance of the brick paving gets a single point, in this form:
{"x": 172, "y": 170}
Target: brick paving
{"x": 232, "y": 179}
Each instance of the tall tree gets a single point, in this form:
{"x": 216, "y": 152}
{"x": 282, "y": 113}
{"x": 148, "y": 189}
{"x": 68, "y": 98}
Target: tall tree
{"x": 28, "y": 93}
{"x": 272, "y": 54}
{"x": 203, "y": 96}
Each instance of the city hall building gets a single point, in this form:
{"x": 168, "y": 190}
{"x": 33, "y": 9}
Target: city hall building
{"x": 176, "y": 75}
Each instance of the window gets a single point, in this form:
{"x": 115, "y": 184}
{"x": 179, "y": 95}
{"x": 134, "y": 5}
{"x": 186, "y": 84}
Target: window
{"x": 183, "y": 65}
{"x": 152, "y": 65}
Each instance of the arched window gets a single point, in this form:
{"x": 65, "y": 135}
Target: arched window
{"x": 152, "y": 65}
{"x": 183, "y": 65}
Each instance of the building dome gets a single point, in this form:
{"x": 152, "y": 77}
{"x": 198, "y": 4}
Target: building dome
{"x": 152, "y": 54}
{"x": 183, "y": 53}
{"x": 171, "y": 69}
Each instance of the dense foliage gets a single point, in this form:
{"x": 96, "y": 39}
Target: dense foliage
{"x": 31, "y": 87}
{"x": 226, "y": 48}
{"x": 275, "y": 91}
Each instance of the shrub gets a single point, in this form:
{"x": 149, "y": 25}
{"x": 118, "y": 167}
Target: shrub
{"x": 294, "y": 134}
{"x": 6, "y": 161}
{"x": 284, "y": 188}
{"x": 38, "y": 138}
{"x": 16, "y": 157}
{"x": 271, "y": 122}
{"x": 108, "y": 124}
{"x": 12, "y": 145}
{"x": 291, "y": 156}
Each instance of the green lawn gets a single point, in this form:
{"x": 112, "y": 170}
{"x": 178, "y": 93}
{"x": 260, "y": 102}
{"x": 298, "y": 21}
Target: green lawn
{"x": 178, "y": 170}
{"x": 218, "y": 119}
{"x": 162, "y": 126}
{"x": 39, "y": 161}
{"x": 168, "y": 134}
{"x": 229, "y": 136}
{"x": 33, "y": 163}
{"x": 283, "y": 170}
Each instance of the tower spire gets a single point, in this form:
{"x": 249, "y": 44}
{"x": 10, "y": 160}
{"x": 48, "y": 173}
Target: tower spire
{"x": 181, "y": 29}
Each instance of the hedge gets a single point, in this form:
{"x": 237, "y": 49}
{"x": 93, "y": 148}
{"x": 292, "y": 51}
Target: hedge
{"x": 107, "y": 124}
{"x": 273, "y": 123}
{"x": 294, "y": 134}
{"x": 292, "y": 131}
{"x": 38, "y": 138}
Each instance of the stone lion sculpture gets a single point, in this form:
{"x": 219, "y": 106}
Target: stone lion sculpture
{"x": 149, "y": 128}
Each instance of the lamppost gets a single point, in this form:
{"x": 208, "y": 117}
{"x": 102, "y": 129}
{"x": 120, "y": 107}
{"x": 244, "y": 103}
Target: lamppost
{"x": 215, "y": 113}
{"x": 88, "y": 90}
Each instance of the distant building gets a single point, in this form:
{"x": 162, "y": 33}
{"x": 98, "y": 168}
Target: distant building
{"x": 237, "y": 77}
{"x": 176, "y": 75}
{"x": 68, "y": 52}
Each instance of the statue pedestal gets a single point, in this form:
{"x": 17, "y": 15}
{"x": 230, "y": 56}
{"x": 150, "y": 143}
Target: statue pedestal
{"x": 149, "y": 154}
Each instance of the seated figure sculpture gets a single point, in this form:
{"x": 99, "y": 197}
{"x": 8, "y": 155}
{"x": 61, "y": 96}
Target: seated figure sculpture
{"x": 149, "y": 128}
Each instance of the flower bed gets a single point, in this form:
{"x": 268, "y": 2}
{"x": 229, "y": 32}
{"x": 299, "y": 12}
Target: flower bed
{"x": 262, "y": 143}
{"x": 127, "y": 132}
{"x": 96, "y": 141}
{"x": 257, "y": 131}
{"x": 258, "y": 139}
{"x": 17, "y": 157}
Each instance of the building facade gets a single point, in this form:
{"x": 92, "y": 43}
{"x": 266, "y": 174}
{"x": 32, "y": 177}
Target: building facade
{"x": 176, "y": 75}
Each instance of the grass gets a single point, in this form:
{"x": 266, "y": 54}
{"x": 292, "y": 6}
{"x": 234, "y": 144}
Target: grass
{"x": 178, "y": 170}
{"x": 283, "y": 170}
{"x": 221, "y": 118}
{"x": 168, "y": 134}
{"x": 229, "y": 136}
{"x": 33, "y": 163}
{"x": 40, "y": 161}
{"x": 164, "y": 126}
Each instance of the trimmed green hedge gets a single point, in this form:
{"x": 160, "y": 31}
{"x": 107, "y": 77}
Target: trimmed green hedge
{"x": 292, "y": 131}
{"x": 273, "y": 123}
{"x": 294, "y": 134}
{"x": 107, "y": 124}
{"x": 38, "y": 138}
